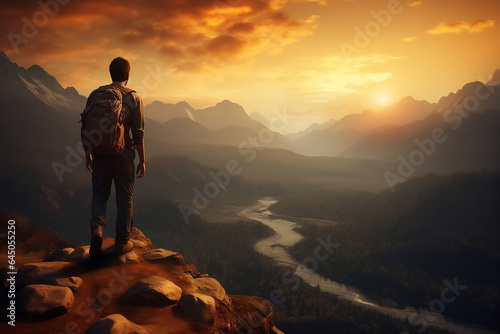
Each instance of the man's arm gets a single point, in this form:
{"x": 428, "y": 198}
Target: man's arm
{"x": 141, "y": 166}
{"x": 137, "y": 127}
{"x": 88, "y": 156}
{"x": 88, "y": 161}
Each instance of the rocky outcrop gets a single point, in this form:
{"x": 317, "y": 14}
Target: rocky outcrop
{"x": 79, "y": 254}
{"x": 59, "y": 255}
{"x": 144, "y": 291}
{"x": 40, "y": 301}
{"x": 70, "y": 282}
{"x": 114, "y": 324}
{"x": 197, "y": 307}
{"x": 161, "y": 254}
{"x": 40, "y": 273}
{"x": 210, "y": 287}
{"x": 154, "y": 290}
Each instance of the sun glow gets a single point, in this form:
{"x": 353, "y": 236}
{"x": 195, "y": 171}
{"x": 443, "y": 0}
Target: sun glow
{"x": 382, "y": 100}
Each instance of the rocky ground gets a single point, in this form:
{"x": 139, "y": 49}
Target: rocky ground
{"x": 147, "y": 290}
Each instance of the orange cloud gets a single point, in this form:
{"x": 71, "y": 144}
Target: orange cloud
{"x": 183, "y": 31}
{"x": 409, "y": 39}
{"x": 461, "y": 26}
{"x": 415, "y": 3}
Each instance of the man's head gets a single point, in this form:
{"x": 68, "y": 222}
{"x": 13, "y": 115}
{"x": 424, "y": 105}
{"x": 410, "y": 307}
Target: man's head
{"x": 119, "y": 69}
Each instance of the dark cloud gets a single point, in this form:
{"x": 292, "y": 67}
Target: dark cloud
{"x": 225, "y": 45}
{"x": 182, "y": 31}
{"x": 242, "y": 28}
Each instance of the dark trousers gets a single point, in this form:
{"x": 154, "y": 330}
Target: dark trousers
{"x": 121, "y": 170}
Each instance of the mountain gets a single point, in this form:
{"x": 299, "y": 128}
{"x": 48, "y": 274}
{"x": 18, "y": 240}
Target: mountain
{"x": 164, "y": 112}
{"x": 407, "y": 110}
{"x": 39, "y": 120}
{"x": 257, "y": 116}
{"x": 474, "y": 97}
{"x": 495, "y": 80}
{"x": 467, "y": 140}
{"x": 186, "y": 131}
{"x": 224, "y": 114}
{"x": 35, "y": 83}
{"x": 339, "y": 136}
{"x": 311, "y": 128}
{"x": 334, "y": 137}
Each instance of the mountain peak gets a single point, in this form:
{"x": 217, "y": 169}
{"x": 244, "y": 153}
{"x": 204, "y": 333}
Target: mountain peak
{"x": 36, "y": 69}
{"x": 36, "y": 83}
{"x": 164, "y": 112}
{"x": 223, "y": 114}
{"x": 495, "y": 80}
{"x": 226, "y": 102}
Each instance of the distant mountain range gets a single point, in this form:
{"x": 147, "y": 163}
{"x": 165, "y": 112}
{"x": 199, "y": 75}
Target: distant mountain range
{"x": 469, "y": 119}
{"x": 226, "y": 123}
{"x": 39, "y": 120}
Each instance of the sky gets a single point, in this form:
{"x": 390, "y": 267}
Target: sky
{"x": 312, "y": 59}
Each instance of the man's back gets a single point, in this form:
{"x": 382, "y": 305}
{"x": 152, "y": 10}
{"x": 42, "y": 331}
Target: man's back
{"x": 118, "y": 169}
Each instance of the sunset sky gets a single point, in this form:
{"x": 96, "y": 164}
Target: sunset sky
{"x": 314, "y": 59}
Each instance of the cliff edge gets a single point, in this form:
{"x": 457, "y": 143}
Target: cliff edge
{"x": 148, "y": 290}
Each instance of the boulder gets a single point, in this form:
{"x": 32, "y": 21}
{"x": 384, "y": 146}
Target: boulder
{"x": 210, "y": 287}
{"x": 115, "y": 324}
{"x": 130, "y": 257}
{"x": 196, "y": 307}
{"x": 257, "y": 314}
{"x": 161, "y": 254}
{"x": 139, "y": 240}
{"x": 59, "y": 255}
{"x": 79, "y": 254}
{"x": 39, "y": 272}
{"x": 154, "y": 290}
{"x": 70, "y": 282}
{"x": 40, "y": 301}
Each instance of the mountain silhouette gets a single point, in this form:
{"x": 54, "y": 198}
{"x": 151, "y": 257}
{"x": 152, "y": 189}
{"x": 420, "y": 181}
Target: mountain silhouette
{"x": 164, "y": 112}
{"x": 407, "y": 110}
{"x": 470, "y": 139}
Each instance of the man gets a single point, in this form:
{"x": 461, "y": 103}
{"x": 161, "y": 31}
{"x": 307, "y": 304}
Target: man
{"x": 119, "y": 168}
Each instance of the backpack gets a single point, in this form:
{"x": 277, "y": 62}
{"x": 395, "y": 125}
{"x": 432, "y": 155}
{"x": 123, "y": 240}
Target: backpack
{"x": 103, "y": 132}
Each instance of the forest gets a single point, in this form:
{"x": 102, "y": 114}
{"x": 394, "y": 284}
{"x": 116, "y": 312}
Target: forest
{"x": 225, "y": 251}
{"x": 405, "y": 245}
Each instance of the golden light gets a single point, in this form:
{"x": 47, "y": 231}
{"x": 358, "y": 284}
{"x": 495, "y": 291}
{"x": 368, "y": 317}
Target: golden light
{"x": 382, "y": 100}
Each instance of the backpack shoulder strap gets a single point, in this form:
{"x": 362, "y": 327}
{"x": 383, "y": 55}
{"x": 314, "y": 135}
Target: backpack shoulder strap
{"x": 124, "y": 90}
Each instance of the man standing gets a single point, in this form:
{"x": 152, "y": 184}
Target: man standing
{"x": 118, "y": 168}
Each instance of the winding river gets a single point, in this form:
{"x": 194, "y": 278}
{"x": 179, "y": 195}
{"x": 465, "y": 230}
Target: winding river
{"x": 276, "y": 247}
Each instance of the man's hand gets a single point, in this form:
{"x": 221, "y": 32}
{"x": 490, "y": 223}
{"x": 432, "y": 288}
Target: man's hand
{"x": 88, "y": 161}
{"x": 141, "y": 169}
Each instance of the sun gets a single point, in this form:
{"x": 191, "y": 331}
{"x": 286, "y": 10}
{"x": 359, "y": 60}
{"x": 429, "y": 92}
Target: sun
{"x": 382, "y": 100}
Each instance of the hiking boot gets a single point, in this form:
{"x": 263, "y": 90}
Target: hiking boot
{"x": 96, "y": 243}
{"x": 123, "y": 247}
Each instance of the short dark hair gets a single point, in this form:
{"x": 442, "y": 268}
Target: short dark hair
{"x": 119, "y": 69}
